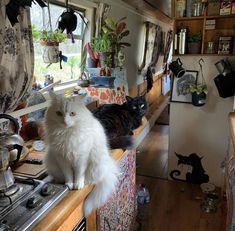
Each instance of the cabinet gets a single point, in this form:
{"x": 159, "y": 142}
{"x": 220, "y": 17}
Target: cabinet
{"x": 217, "y": 33}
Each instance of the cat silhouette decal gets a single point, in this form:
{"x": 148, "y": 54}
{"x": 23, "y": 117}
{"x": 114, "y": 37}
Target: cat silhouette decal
{"x": 197, "y": 176}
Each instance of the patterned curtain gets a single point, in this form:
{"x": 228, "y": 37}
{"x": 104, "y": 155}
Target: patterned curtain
{"x": 16, "y": 59}
{"x": 101, "y": 14}
{"x": 169, "y": 40}
{"x": 152, "y": 48}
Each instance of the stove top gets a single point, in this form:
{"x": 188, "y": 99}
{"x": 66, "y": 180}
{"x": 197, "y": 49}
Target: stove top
{"x": 25, "y": 203}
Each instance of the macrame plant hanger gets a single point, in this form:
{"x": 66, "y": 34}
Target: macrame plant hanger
{"x": 201, "y": 71}
{"x": 47, "y": 26}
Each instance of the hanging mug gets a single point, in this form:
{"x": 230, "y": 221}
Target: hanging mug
{"x": 176, "y": 68}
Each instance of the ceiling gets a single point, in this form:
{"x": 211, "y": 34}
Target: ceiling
{"x": 160, "y": 9}
{"x": 163, "y": 5}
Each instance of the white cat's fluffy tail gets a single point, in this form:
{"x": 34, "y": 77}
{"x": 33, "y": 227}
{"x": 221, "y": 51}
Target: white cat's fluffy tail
{"x": 102, "y": 191}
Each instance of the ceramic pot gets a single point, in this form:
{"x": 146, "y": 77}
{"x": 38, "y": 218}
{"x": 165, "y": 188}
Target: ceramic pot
{"x": 50, "y": 52}
{"x": 194, "y": 47}
{"x": 198, "y": 99}
{"x": 103, "y": 58}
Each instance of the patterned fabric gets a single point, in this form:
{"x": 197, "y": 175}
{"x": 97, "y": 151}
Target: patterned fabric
{"x": 230, "y": 192}
{"x": 107, "y": 95}
{"x": 152, "y": 45}
{"x": 101, "y": 14}
{"x": 120, "y": 211}
{"x": 16, "y": 59}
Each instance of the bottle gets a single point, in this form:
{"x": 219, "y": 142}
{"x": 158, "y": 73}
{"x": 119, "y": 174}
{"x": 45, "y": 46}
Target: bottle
{"x": 143, "y": 196}
{"x": 182, "y": 38}
{"x": 143, "y": 199}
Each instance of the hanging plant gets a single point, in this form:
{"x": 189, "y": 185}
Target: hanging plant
{"x": 199, "y": 90}
{"x": 50, "y": 40}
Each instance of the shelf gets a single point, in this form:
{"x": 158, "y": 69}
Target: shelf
{"x": 224, "y": 27}
{"x": 204, "y": 17}
{"x": 203, "y": 55}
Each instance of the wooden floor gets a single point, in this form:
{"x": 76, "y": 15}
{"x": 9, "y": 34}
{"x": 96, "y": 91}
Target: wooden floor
{"x": 152, "y": 156}
{"x": 175, "y": 206}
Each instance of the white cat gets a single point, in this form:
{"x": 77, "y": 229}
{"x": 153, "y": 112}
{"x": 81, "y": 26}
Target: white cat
{"x": 78, "y": 152}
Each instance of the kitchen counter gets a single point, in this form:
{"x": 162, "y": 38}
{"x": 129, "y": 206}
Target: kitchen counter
{"x": 67, "y": 214}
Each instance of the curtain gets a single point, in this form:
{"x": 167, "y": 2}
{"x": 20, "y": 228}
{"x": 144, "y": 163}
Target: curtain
{"x": 169, "y": 40}
{"x": 101, "y": 14}
{"x": 16, "y": 59}
{"x": 152, "y": 48}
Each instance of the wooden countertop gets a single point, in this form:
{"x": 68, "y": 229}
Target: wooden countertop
{"x": 69, "y": 211}
{"x": 232, "y": 127}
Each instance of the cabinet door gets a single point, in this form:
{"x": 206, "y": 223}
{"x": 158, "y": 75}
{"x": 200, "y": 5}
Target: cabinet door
{"x": 120, "y": 211}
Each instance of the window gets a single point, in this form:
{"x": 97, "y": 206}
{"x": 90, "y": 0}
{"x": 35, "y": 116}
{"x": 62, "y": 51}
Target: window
{"x": 71, "y": 70}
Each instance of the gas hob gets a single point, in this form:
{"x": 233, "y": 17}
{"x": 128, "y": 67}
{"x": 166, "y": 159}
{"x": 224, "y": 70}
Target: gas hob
{"x": 25, "y": 203}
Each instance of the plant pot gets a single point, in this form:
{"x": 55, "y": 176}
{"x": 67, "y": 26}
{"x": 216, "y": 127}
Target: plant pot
{"x": 91, "y": 63}
{"x": 104, "y": 81}
{"x": 198, "y": 100}
{"x": 50, "y": 52}
{"x": 194, "y": 47}
{"x": 106, "y": 59}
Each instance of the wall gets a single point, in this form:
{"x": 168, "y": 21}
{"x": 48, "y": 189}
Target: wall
{"x": 203, "y": 130}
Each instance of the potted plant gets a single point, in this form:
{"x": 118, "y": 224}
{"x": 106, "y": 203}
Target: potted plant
{"x": 194, "y": 43}
{"x": 116, "y": 31}
{"x": 103, "y": 46}
{"x": 199, "y": 92}
{"x": 50, "y": 42}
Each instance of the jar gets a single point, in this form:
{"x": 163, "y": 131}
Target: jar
{"x": 210, "y": 48}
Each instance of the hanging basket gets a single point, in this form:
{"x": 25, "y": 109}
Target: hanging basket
{"x": 50, "y": 52}
{"x": 198, "y": 99}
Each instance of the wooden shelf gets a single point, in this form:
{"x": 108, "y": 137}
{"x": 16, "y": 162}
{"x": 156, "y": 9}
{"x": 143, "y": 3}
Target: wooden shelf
{"x": 203, "y": 55}
{"x": 205, "y": 17}
{"x": 224, "y": 27}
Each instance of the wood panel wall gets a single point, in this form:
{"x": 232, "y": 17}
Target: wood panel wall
{"x": 154, "y": 96}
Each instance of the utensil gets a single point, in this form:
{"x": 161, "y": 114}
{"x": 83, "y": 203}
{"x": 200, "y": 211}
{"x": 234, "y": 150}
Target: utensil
{"x": 8, "y": 138}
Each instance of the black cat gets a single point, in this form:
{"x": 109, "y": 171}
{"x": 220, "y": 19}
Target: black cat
{"x": 119, "y": 121}
{"x": 197, "y": 176}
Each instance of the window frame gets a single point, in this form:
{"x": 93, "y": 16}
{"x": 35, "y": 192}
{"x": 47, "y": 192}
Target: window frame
{"x": 63, "y": 86}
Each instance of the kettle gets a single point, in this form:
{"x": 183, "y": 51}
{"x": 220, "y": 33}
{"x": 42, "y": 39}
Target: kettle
{"x": 6, "y": 175}
{"x": 9, "y": 139}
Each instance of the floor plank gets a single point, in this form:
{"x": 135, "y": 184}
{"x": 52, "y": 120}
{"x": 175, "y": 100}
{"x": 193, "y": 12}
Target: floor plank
{"x": 152, "y": 157}
{"x": 175, "y": 206}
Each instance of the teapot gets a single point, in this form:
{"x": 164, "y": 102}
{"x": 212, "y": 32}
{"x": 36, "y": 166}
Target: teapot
{"x": 9, "y": 139}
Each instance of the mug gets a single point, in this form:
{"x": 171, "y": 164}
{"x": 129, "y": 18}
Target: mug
{"x": 176, "y": 68}
{"x": 224, "y": 67}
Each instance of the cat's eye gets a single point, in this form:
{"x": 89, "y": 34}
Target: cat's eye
{"x": 134, "y": 107}
{"x": 72, "y": 113}
{"x": 59, "y": 113}
{"x": 142, "y": 106}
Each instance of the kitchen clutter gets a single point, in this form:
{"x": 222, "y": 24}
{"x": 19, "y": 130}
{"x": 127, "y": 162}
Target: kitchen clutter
{"x": 143, "y": 199}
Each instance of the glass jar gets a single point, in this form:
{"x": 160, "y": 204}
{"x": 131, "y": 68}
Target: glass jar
{"x": 210, "y": 48}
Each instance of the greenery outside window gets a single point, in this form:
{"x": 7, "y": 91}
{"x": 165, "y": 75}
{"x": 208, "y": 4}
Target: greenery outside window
{"x": 71, "y": 69}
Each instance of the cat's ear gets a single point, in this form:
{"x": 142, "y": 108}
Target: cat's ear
{"x": 128, "y": 98}
{"x": 177, "y": 154}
